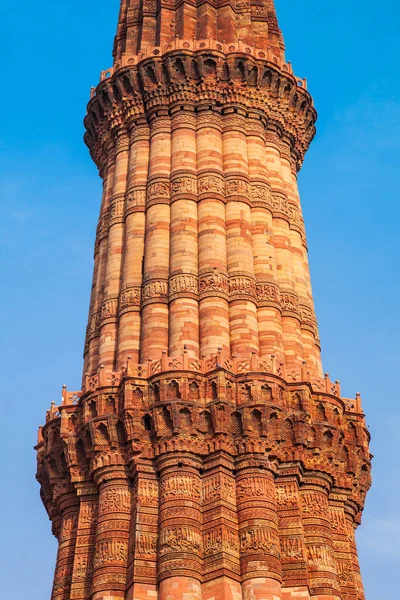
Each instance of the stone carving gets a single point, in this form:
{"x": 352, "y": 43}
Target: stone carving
{"x": 146, "y": 544}
{"x": 211, "y": 183}
{"x": 68, "y": 525}
{"x": 237, "y": 187}
{"x": 213, "y": 282}
{"x": 155, "y": 290}
{"x": 260, "y": 540}
{"x": 218, "y": 487}
{"x": 82, "y": 567}
{"x": 314, "y": 504}
{"x": 253, "y": 487}
{"x": 110, "y": 551}
{"x": 114, "y": 499}
{"x": 136, "y": 197}
{"x": 109, "y": 308}
{"x": 321, "y": 557}
{"x": 180, "y": 486}
{"x": 219, "y": 540}
{"x": 269, "y": 292}
{"x": 158, "y": 189}
{"x": 130, "y": 296}
{"x": 147, "y": 492}
{"x": 87, "y": 514}
{"x": 184, "y": 185}
{"x": 242, "y": 285}
{"x": 292, "y": 548}
{"x": 337, "y": 520}
{"x": 180, "y": 538}
{"x": 183, "y": 284}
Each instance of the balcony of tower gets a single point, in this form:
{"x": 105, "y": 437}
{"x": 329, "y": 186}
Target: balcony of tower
{"x": 149, "y": 79}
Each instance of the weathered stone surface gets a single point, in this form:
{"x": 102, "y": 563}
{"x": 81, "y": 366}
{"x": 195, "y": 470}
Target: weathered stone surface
{"x": 205, "y": 457}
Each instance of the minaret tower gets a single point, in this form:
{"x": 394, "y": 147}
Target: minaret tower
{"x": 206, "y": 457}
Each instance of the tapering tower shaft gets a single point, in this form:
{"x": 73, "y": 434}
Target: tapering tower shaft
{"x": 205, "y": 457}
{"x": 199, "y": 135}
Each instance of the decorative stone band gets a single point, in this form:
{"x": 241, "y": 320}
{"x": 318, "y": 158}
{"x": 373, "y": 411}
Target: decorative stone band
{"x": 135, "y": 200}
{"x": 155, "y": 291}
{"x": 207, "y": 118}
{"x": 180, "y": 538}
{"x": 290, "y": 305}
{"x": 308, "y": 320}
{"x": 146, "y": 545}
{"x": 111, "y": 552}
{"x": 183, "y": 286}
{"x": 268, "y": 294}
{"x": 122, "y": 142}
{"x": 283, "y": 209}
{"x": 159, "y": 125}
{"x": 109, "y": 310}
{"x": 213, "y": 284}
{"x": 233, "y": 122}
{"x": 103, "y": 226}
{"x": 184, "y": 119}
{"x": 117, "y": 210}
{"x": 93, "y": 327}
{"x": 208, "y": 285}
{"x": 206, "y": 186}
{"x": 261, "y": 195}
{"x": 183, "y": 187}
{"x": 211, "y": 184}
{"x": 242, "y": 288}
{"x": 259, "y": 539}
{"x": 158, "y": 191}
{"x": 220, "y": 539}
{"x": 237, "y": 188}
{"x": 130, "y": 299}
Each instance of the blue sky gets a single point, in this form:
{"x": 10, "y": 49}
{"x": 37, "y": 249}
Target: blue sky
{"x": 52, "y": 54}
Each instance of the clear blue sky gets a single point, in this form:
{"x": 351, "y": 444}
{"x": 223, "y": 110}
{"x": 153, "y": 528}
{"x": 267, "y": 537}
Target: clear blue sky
{"x": 52, "y": 52}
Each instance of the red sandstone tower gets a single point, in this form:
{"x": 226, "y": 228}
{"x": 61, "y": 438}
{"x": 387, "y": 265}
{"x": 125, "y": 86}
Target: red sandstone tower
{"x": 206, "y": 457}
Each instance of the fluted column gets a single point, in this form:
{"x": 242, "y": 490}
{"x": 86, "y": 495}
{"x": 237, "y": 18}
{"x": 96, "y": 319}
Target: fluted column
{"x": 242, "y": 288}
{"x": 143, "y": 535}
{"x": 154, "y": 331}
{"x": 302, "y": 281}
{"x": 69, "y": 509}
{"x": 100, "y": 266}
{"x": 206, "y": 21}
{"x": 323, "y": 577}
{"x": 341, "y": 545}
{"x": 269, "y": 316}
{"x": 165, "y": 22}
{"x": 109, "y": 307}
{"x": 221, "y": 562}
{"x": 226, "y": 23}
{"x": 85, "y": 542}
{"x": 213, "y": 275}
{"x": 291, "y": 534}
{"x": 291, "y": 329}
{"x": 132, "y": 269}
{"x": 180, "y": 541}
{"x": 350, "y": 514}
{"x": 112, "y": 534}
{"x": 183, "y": 275}
{"x": 258, "y": 529}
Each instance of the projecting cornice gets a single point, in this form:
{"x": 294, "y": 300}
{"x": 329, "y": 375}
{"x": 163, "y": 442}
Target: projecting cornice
{"x": 198, "y": 73}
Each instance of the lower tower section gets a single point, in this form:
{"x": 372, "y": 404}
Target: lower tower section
{"x": 220, "y": 478}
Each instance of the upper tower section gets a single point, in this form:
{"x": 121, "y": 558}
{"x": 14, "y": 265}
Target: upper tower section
{"x": 145, "y": 24}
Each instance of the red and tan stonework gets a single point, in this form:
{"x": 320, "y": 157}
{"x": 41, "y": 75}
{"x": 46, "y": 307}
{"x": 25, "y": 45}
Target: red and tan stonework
{"x": 206, "y": 456}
